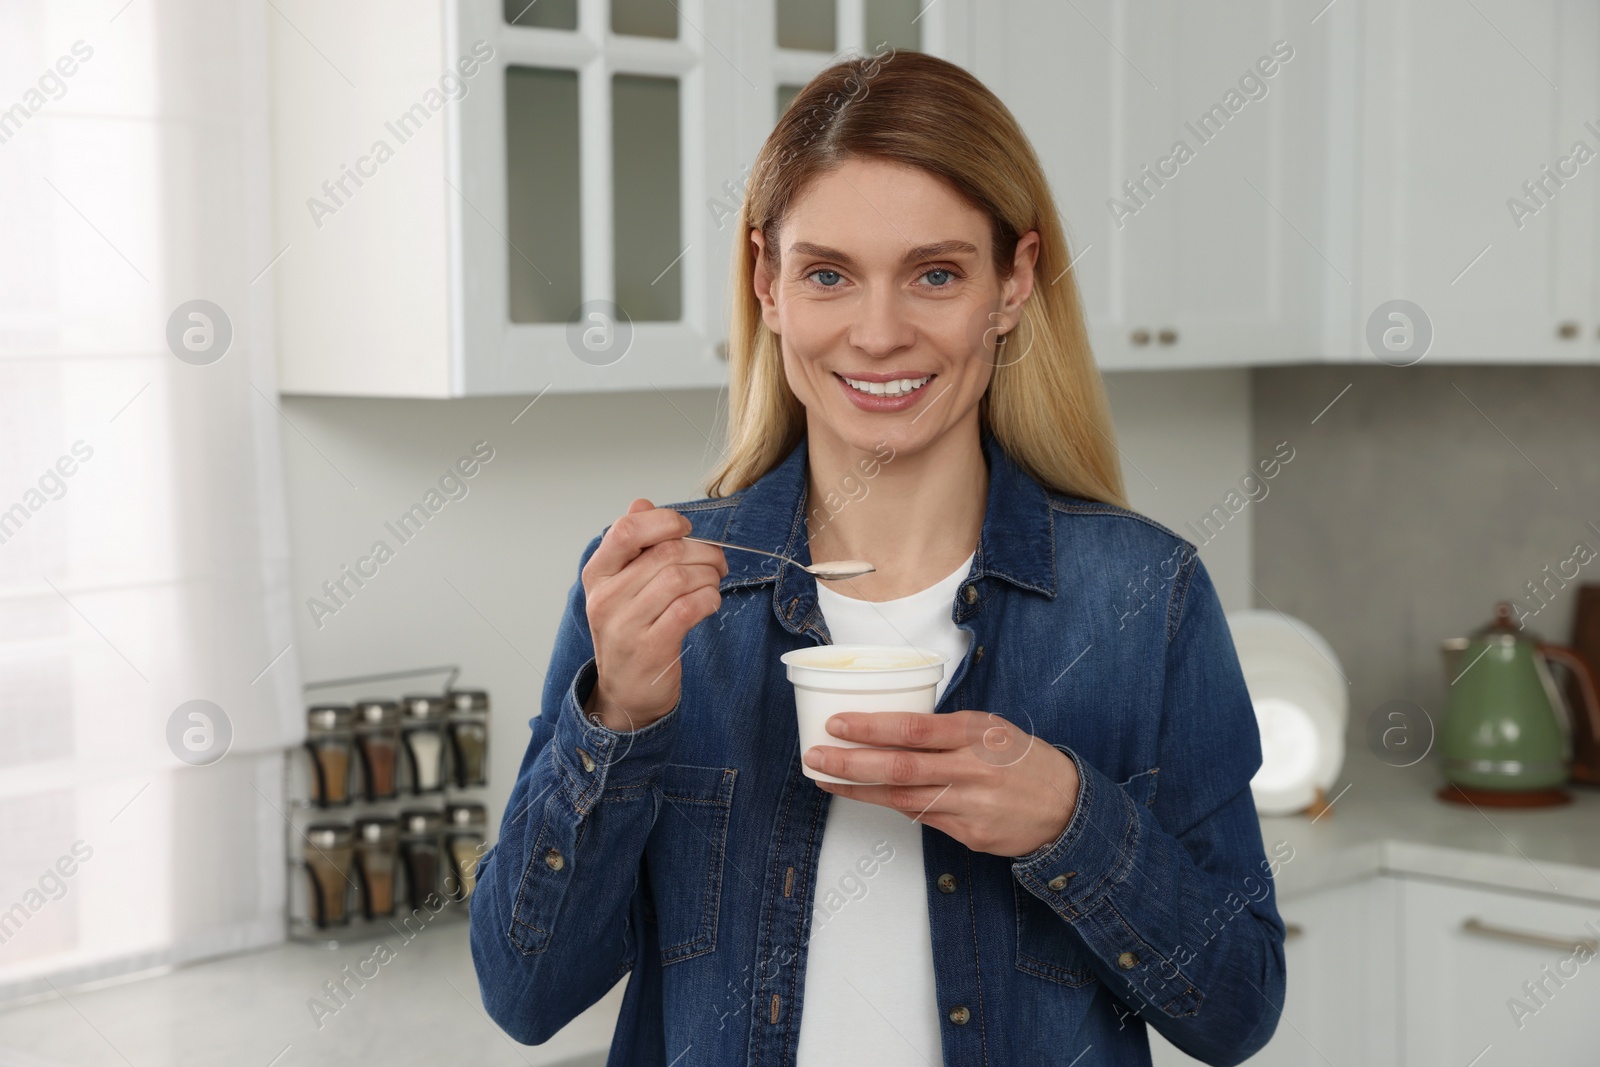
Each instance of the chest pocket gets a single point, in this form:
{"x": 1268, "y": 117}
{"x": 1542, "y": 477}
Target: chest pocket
{"x": 685, "y": 857}
{"x": 1047, "y": 946}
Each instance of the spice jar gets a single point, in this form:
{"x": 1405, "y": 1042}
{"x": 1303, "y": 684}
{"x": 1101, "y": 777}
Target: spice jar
{"x": 329, "y": 740}
{"x": 421, "y": 853}
{"x": 377, "y": 861}
{"x": 464, "y": 841}
{"x": 423, "y": 732}
{"x": 328, "y": 854}
{"x": 378, "y": 742}
{"x": 469, "y": 736}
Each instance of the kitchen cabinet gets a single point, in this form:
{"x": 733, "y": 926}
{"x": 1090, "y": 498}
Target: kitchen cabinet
{"x": 483, "y": 197}
{"x": 1419, "y": 972}
{"x": 478, "y": 197}
{"x": 1201, "y": 158}
{"x": 1476, "y": 207}
{"x": 1499, "y": 976}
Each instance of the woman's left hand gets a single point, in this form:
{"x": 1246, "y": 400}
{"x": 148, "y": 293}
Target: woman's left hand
{"x": 972, "y": 774}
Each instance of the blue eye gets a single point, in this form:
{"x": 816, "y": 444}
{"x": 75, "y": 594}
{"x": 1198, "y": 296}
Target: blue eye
{"x": 940, "y": 270}
{"x": 824, "y": 270}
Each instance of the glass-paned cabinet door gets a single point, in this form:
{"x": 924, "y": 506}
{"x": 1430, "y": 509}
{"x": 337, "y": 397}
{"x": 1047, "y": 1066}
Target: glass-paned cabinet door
{"x": 543, "y": 193}
{"x": 590, "y": 259}
{"x": 647, "y": 191}
{"x": 644, "y": 18}
{"x": 809, "y": 25}
{"x": 897, "y": 23}
{"x": 550, "y": 14}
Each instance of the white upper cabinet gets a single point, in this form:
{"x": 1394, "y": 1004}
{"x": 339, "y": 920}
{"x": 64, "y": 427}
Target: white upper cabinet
{"x": 1202, "y": 166}
{"x": 1481, "y": 132}
{"x": 479, "y": 197}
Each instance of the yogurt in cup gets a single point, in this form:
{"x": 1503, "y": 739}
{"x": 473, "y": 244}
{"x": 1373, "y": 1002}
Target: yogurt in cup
{"x": 832, "y": 678}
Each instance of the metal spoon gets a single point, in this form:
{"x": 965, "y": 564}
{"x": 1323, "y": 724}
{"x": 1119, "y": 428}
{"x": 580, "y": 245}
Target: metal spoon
{"x": 833, "y": 571}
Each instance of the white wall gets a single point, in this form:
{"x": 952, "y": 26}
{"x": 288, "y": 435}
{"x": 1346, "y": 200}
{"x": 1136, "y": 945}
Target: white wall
{"x": 484, "y": 583}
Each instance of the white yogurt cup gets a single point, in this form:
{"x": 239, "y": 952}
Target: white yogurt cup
{"x": 832, "y": 678}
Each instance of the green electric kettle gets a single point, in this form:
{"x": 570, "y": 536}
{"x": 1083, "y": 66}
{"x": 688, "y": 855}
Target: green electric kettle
{"x": 1506, "y": 737}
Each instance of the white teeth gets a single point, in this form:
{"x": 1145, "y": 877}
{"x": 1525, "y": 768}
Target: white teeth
{"x": 898, "y": 387}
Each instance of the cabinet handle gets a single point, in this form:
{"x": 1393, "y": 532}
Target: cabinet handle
{"x": 1140, "y": 337}
{"x": 1483, "y": 929}
{"x": 1567, "y": 331}
{"x": 1167, "y": 337}
{"x": 1292, "y": 931}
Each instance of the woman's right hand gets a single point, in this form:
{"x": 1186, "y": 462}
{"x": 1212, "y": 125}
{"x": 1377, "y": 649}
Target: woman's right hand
{"x": 646, "y": 588}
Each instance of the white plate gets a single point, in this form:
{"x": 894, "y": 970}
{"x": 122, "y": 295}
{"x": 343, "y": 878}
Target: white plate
{"x": 1271, "y": 636}
{"x": 1302, "y": 706}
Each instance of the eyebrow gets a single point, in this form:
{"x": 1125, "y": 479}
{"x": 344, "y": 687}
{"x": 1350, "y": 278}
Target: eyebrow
{"x": 915, "y": 255}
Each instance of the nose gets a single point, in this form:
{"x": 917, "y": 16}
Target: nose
{"x": 882, "y": 326}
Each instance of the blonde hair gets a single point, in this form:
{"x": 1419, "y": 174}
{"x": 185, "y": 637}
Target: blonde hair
{"x": 1048, "y": 407}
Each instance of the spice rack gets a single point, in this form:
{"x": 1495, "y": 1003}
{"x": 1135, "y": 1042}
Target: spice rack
{"x": 385, "y": 812}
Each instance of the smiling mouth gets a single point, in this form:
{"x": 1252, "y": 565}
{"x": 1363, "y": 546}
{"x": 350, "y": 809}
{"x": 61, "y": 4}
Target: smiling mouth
{"x": 891, "y": 389}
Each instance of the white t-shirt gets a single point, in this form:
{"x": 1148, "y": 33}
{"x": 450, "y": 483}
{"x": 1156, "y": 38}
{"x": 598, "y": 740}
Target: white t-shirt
{"x": 869, "y": 992}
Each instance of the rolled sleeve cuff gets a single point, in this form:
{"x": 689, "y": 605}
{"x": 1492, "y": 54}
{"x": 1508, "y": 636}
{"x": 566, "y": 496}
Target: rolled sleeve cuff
{"x": 1075, "y": 872}
{"x": 594, "y": 758}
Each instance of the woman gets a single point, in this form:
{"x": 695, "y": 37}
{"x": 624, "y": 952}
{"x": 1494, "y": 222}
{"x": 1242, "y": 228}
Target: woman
{"x": 1020, "y": 891}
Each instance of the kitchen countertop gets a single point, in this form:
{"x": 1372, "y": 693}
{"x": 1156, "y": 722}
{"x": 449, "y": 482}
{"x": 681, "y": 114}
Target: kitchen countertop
{"x": 250, "y": 1010}
{"x": 423, "y": 1006}
{"x": 1387, "y": 820}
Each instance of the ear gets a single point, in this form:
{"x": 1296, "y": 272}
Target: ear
{"x": 762, "y": 281}
{"x": 1020, "y": 285}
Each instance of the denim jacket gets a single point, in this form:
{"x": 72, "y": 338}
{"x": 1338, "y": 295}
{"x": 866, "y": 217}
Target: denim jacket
{"x": 684, "y": 855}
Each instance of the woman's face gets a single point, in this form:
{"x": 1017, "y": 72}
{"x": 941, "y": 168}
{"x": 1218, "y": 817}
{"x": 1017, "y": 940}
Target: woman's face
{"x": 886, "y": 276}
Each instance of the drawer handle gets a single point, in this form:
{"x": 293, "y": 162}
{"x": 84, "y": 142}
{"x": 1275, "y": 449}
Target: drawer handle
{"x": 1483, "y": 929}
{"x": 1292, "y": 931}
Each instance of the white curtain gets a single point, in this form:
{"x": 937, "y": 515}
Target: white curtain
{"x": 143, "y": 545}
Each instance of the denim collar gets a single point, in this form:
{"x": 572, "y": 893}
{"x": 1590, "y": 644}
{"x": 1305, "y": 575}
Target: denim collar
{"x": 1016, "y": 543}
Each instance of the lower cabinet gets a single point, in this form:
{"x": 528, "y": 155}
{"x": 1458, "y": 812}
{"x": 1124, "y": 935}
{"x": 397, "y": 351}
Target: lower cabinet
{"x": 1409, "y": 972}
{"x": 1495, "y": 978}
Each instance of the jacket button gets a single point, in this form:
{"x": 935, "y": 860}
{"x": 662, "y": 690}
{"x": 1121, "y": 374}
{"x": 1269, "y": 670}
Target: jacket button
{"x": 947, "y": 883}
{"x": 1127, "y": 961}
{"x": 553, "y": 860}
{"x": 970, "y": 595}
{"x": 588, "y": 760}
{"x": 1059, "y": 882}
{"x": 977, "y": 654}
{"x": 959, "y": 1015}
